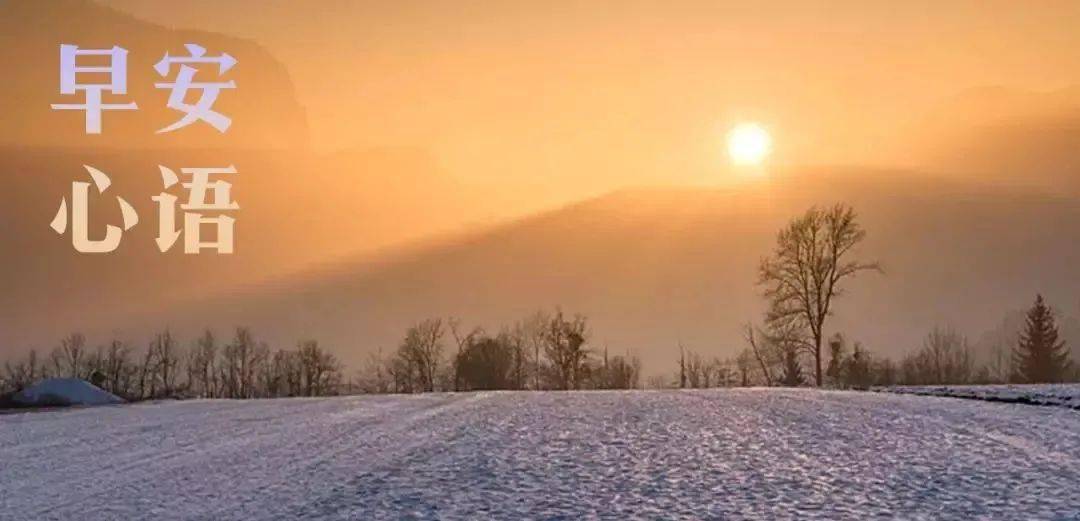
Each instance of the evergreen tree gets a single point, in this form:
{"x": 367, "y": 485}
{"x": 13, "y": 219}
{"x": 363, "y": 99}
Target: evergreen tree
{"x": 792, "y": 376}
{"x": 1040, "y": 356}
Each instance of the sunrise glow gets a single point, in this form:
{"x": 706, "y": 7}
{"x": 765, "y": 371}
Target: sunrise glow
{"x": 748, "y": 144}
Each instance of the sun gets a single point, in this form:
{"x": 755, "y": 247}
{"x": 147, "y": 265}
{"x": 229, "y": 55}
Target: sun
{"x": 748, "y": 144}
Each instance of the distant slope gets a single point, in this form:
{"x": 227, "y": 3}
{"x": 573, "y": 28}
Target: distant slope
{"x": 1034, "y": 152}
{"x": 655, "y": 267}
{"x": 1005, "y": 136}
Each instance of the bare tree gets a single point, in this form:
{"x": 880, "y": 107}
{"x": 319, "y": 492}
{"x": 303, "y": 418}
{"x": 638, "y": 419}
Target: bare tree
{"x": 419, "y": 355}
{"x": 718, "y": 373}
{"x": 623, "y": 372}
{"x": 374, "y": 375}
{"x": 695, "y": 371}
{"x": 658, "y": 382}
{"x": 288, "y": 373}
{"x": 166, "y": 361}
{"x": 564, "y": 346}
{"x": 201, "y": 366}
{"x": 837, "y": 360}
{"x": 116, "y": 367}
{"x": 682, "y": 366}
{"x": 69, "y": 358}
{"x": 1000, "y": 368}
{"x": 519, "y": 372}
{"x": 744, "y": 363}
{"x": 403, "y": 373}
{"x": 463, "y": 340}
{"x": 951, "y": 360}
{"x": 320, "y": 370}
{"x": 617, "y": 372}
{"x": 237, "y": 369}
{"x": 759, "y": 350}
{"x": 19, "y": 375}
{"x": 806, "y": 270}
{"x": 147, "y": 380}
{"x": 532, "y": 332}
{"x": 945, "y": 358}
{"x": 487, "y": 363}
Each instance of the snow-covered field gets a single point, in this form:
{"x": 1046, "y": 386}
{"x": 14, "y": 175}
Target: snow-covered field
{"x": 1057, "y": 395}
{"x": 721, "y": 454}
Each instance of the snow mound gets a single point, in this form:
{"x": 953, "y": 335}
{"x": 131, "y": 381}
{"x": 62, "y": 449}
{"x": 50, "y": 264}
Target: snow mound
{"x": 65, "y": 391}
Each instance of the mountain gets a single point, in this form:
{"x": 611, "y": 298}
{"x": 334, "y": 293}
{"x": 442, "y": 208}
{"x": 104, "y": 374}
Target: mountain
{"x": 654, "y": 267}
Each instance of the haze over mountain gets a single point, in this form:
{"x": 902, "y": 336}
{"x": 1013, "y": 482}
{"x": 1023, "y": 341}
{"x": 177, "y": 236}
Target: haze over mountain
{"x": 1004, "y": 136}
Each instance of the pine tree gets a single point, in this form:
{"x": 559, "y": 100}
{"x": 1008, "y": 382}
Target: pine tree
{"x": 1040, "y": 356}
{"x": 792, "y": 376}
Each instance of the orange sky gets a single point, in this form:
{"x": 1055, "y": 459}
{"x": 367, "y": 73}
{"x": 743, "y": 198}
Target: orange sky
{"x": 636, "y": 92}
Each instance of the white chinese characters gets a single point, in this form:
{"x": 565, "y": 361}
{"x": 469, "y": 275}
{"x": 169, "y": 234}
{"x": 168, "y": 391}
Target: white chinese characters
{"x": 204, "y": 197}
{"x": 80, "y": 234}
{"x": 195, "y": 210}
{"x": 93, "y": 104}
{"x": 82, "y": 72}
{"x": 203, "y": 108}
{"x": 207, "y": 221}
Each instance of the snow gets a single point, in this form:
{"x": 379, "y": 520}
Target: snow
{"x": 729, "y": 454}
{"x": 65, "y": 391}
{"x": 1056, "y": 395}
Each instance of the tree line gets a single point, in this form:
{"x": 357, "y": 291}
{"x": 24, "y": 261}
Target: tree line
{"x": 944, "y": 357}
{"x": 239, "y": 368}
{"x": 801, "y": 281}
{"x": 544, "y": 351}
